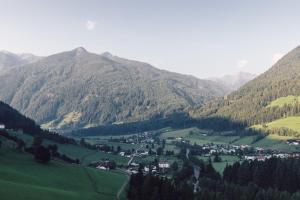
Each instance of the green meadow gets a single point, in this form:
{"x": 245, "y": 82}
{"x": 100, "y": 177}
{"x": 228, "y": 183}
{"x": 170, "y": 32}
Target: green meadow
{"x": 198, "y": 136}
{"x": 75, "y": 151}
{"x": 284, "y": 101}
{"x": 23, "y": 178}
{"x": 220, "y": 166}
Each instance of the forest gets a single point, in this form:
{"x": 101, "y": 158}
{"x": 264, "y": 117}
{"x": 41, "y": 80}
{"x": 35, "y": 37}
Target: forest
{"x": 274, "y": 179}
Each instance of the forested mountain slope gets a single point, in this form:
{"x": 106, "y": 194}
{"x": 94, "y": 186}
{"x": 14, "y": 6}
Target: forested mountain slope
{"x": 251, "y": 103}
{"x": 77, "y": 89}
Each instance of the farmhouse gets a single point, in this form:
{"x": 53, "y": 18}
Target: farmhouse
{"x": 2, "y": 126}
{"x": 163, "y": 165}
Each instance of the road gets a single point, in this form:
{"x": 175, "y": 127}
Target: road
{"x": 196, "y": 171}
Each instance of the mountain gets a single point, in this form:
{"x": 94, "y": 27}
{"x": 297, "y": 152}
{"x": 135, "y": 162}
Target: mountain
{"x": 77, "y": 89}
{"x": 253, "y": 102}
{"x": 9, "y": 60}
{"x": 235, "y": 81}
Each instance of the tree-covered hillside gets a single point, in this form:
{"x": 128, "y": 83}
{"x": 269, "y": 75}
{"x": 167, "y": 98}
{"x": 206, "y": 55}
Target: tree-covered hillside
{"x": 251, "y": 103}
{"x": 78, "y": 89}
{"x": 12, "y": 119}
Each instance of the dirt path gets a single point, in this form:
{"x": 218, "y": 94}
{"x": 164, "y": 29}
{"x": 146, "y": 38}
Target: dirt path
{"x": 86, "y": 155}
{"x": 92, "y": 180}
{"x": 124, "y": 185}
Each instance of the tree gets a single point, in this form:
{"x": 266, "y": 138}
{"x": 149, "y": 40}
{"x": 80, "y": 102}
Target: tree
{"x": 174, "y": 166}
{"x": 217, "y": 158}
{"x": 37, "y": 141}
{"x": 53, "y": 149}
{"x": 82, "y": 142}
{"x": 159, "y": 151}
{"x": 118, "y": 149}
{"x": 42, "y": 154}
{"x": 163, "y": 143}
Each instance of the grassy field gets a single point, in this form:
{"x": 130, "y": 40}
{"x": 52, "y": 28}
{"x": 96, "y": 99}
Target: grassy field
{"x": 220, "y": 166}
{"x": 289, "y": 122}
{"x": 86, "y": 155}
{"x": 96, "y": 156}
{"x": 75, "y": 151}
{"x": 284, "y": 100}
{"x": 124, "y": 146}
{"x": 195, "y": 135}
{"x": 276, "y": 142}
{"x": 22, "y": 178}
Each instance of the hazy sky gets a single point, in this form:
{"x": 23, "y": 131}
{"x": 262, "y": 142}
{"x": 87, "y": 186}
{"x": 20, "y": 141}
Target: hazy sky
{"x": 202, "y": 38}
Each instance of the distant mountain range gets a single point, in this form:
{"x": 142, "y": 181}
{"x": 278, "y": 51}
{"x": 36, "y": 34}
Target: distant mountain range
{"x": 235, "y": 81}
{"x": 9, "y": 60}
{"x": 77, "y": 89}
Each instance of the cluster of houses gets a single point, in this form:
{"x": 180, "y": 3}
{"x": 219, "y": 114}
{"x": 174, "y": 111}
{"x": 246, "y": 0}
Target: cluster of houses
{"x": 104, "y": 164}
{"x": 293, "y": 142}
{"x": 142, "y": 138}
{"x": 212, "y": 149}
{"x": 137, "y": 153}
{"x": 162, "y": 167}
{"x": 263, "y": 157}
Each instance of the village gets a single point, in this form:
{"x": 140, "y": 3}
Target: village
{"x": 151, "y": 147}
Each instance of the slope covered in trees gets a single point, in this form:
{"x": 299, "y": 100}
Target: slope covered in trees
{"x": 77, "y": 89}
{"x": 250, "y": 104}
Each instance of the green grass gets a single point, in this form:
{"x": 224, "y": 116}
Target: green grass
{"x": 124, "y": 146}
{"x": 276, "y": 142}
{"x": 289, "y": 122}
{"x": 86, "y": 155}
{"x": 22, "y": 178}
{"x": 97, "y": 156}
{"x": 220, "y": 166}
{"x": 200, "y": 137}
{"x": 284, "y": 101}
{"x": 244, "y": 140}
{"x": 74, "y": 151}
{"x": 270, "y": 142}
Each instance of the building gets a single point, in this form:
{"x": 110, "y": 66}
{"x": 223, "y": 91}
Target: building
{"x": 163, "y": 165}
{"x": 2, "y": 126}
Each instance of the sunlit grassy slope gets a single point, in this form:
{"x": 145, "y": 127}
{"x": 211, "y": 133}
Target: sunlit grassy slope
{"x": 284, "y": 100}
{"x": 288, "y": 122}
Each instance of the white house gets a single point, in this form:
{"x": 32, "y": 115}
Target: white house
{"x": 2, "y": 126}
{"x": 164, "y": 165}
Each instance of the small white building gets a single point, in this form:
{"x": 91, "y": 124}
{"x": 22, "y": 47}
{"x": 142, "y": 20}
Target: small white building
{"x": 102, "y": 167}
{"x": 122, "y": 153}
{"x": 164, "y": 165}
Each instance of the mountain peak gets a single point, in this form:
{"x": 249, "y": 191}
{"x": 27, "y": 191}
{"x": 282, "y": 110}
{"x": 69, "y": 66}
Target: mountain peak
{"x": 6, "y": 52}
{"x": 107, "y": 54}
{"x": 80, "y": 50}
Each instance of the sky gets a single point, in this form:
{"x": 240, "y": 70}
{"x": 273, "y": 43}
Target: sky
{"x": 201, "y": 38}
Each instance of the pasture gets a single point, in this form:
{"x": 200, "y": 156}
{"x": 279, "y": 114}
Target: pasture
{"x": 23, "y": 178}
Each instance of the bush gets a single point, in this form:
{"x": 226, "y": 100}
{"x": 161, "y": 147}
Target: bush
{"x": 42, "y": 154}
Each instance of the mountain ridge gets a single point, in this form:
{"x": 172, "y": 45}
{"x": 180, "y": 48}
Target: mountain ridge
{"x": 77, "y": 89}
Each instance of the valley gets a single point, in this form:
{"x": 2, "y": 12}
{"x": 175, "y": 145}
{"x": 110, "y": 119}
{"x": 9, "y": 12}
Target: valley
{"x": 149, "y": 100}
